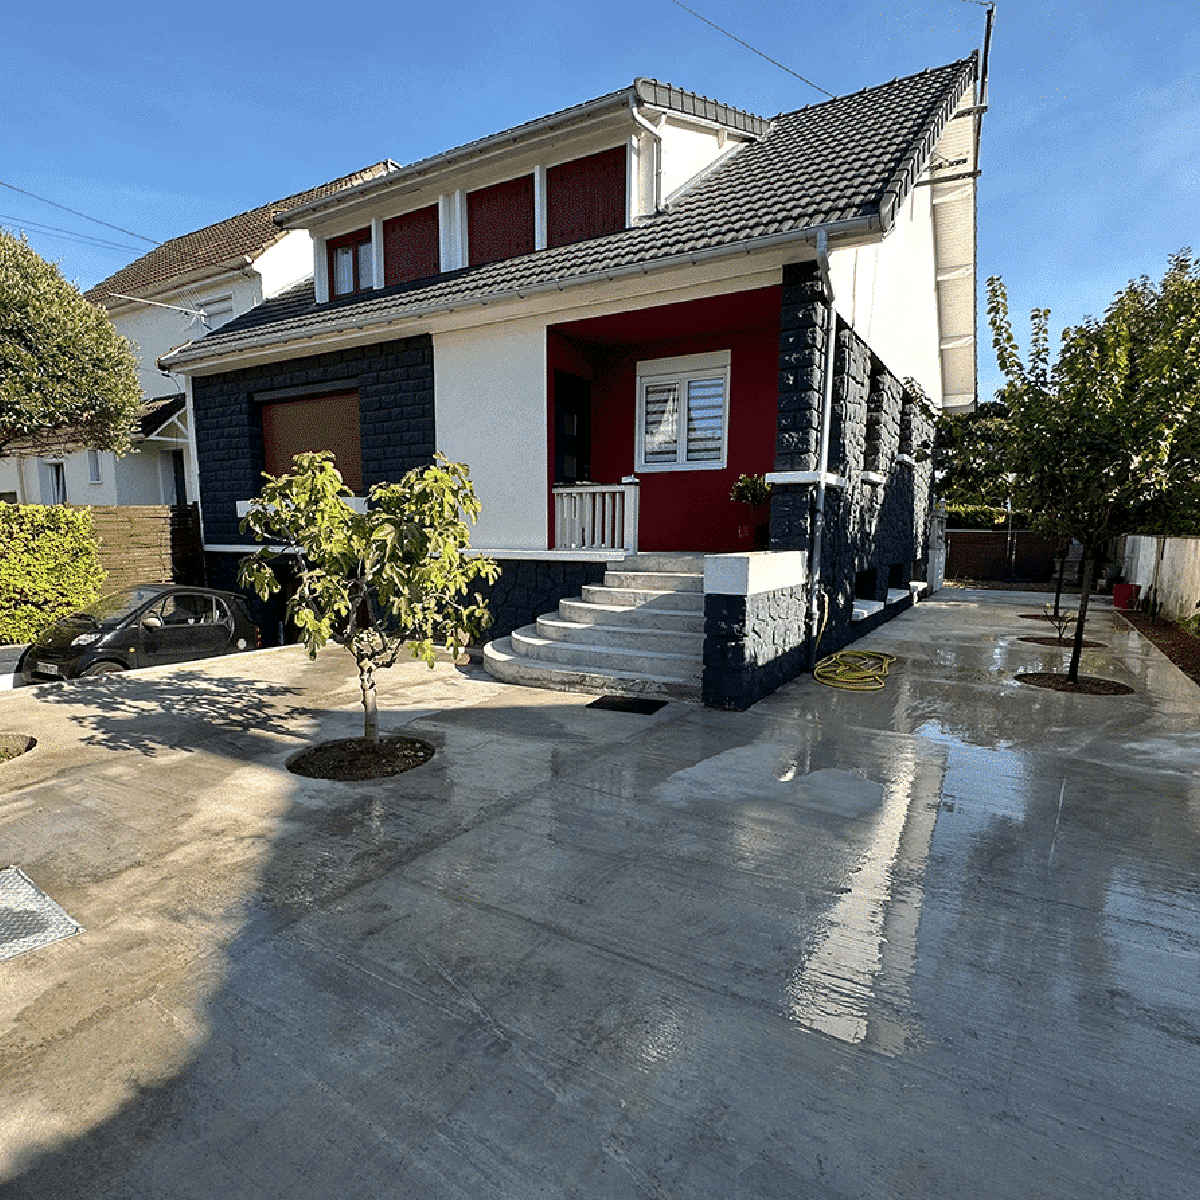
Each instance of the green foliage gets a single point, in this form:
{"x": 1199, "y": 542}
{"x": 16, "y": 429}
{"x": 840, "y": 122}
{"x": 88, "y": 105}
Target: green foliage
{"x": 48, "y": 567}
{"x": 67, "y": 378}
{"x": 751, "y": 489}
{"x": 969, "y": 456}
{"x": 396, "y": 574}
{"x": 1107, "y": 438}
{"x": 983, "y": 516}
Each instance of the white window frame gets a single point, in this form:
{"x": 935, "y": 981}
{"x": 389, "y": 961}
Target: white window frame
{"x": 681, "y": 371}
{"x": 94, "y": 469}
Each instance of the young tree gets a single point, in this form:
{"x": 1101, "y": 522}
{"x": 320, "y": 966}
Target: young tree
{"x": 375, "y": 580}
{"x": 1107, "y": 438}
{"x": 67, "y": 378}
{"x": 969, "y": 460}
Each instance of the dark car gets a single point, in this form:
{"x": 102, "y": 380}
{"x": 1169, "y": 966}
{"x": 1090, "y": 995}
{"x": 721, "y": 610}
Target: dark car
{"x": 142, "y": 626}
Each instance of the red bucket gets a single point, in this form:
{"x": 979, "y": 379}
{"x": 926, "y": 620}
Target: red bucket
{"x": 1125, "y": 594}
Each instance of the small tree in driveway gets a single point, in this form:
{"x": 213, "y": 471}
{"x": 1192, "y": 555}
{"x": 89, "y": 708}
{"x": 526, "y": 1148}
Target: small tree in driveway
{"x": 395, "y": 574}
{"x": 1107, "y": 439}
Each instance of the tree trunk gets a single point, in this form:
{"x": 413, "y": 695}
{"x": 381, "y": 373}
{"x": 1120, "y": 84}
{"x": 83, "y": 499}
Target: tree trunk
{"x": 366, "y": 681}
{"x": 1085, "y": 592}
{"x": 1062, "y": 571}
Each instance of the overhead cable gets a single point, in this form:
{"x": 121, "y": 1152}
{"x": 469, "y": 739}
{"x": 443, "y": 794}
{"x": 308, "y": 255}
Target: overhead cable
{"x": 76, "y": 213}
{"x": 749, "y": 47}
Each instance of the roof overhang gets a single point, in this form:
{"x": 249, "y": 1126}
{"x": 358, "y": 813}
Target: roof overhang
{"x": 356, "y": 327}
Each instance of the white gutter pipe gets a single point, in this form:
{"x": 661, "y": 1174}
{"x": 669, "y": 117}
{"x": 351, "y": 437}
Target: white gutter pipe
{"x": 638, "y": 119}
{"x": 826, "y": 414}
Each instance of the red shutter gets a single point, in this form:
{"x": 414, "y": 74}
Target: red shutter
{"x": 500, "y": 221}
{"x": 410, "y": 246}
{"x": 291, "y": 427}
{"x": 585, "y": 198}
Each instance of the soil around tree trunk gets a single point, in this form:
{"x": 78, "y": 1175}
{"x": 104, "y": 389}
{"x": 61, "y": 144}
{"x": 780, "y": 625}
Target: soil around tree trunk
{"x": 12, "y": 745}
{"x": 351, "y": 760}
{"x": 1086, "y": 685}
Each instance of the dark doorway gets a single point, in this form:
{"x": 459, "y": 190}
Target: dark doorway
{"x": 572, "y": 428}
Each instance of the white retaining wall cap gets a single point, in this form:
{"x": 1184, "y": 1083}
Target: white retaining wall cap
{"x": 873, "y": 477}
{"x": 866, "y": 608}
{"x": 524, "y": 552}
{"x": 895, "y": 595}
{"x": 828, "y": 478}
{"x": 748, "y": 574}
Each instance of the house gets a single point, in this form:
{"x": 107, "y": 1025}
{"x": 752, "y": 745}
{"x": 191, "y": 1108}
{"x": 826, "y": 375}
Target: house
{"x": 188, "y": 285}
{"x": 610, "y": 314}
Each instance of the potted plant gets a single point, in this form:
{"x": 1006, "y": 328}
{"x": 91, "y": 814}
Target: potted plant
{"x": 755, "y": 491}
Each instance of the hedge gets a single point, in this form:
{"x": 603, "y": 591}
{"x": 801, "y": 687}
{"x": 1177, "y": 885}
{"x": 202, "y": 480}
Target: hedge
{"x": 48, "y": 567}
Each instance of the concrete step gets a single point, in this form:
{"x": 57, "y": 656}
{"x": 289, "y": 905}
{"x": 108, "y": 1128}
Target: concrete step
{"x": 640, "y": 616}
{"x": 680, "y": 667}
{"x": 653, "y": 581}
{"x": 629, "y": 597}
{"x": 621, "y": 637}
{"x": 503, "y": 663}
{"x": 682, "y": 564}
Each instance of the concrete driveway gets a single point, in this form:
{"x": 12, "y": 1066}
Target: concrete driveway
{"x": 942, "y": 940}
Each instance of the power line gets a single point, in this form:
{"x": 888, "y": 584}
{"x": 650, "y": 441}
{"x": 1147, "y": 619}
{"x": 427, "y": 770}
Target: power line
{"x": 85, "y": 239}
{"x": 76, "y": 213}
{"x": 774, "y": 62}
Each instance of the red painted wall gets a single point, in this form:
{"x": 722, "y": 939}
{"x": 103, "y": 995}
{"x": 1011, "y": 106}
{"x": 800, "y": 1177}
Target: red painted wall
{"x": 680, "y": 510}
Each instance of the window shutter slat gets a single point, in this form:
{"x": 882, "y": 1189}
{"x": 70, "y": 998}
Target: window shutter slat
{"x": 706, "y": 412}
{"x": 661, "y": 431}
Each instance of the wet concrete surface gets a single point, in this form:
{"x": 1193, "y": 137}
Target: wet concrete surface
{"x": 942, "y": 940}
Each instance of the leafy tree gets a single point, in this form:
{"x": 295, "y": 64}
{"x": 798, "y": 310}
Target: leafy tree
{"x": 1107, "y": 438}
{"x": 373, "y": 580}
{"x": 67, "y": 378}
{"x": 969, "y": 460}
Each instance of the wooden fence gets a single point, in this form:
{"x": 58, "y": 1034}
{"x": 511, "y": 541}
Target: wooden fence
{"x": 149, "y": 543}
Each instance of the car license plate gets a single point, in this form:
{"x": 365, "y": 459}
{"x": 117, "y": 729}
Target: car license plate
{"x": 45, "y": 668}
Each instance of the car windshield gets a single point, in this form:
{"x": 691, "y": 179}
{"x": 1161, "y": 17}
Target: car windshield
{"x": 116, "y": 605}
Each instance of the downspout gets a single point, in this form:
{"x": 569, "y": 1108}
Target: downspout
{"x": 641, "y": 121}
{"x": 823, "y": 458}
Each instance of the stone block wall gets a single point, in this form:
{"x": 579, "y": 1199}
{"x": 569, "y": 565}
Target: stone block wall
{"x": 394, "y": 381}
{"x": 752, "y": 645}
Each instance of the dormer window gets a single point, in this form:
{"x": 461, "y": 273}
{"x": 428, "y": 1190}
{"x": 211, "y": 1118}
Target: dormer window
{"x": 351, "y": 263}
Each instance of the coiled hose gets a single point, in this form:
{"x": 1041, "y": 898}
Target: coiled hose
{"x": 851, "y": 670}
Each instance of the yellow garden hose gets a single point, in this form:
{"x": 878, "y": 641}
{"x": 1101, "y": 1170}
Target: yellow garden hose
{"x": 851, "y": 670}
{"x": 854, "y": 670}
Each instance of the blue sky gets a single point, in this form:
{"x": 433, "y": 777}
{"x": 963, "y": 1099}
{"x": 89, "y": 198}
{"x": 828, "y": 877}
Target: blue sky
{"x": 164, "y": 118}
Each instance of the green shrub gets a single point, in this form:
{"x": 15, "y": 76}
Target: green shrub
{"x": 48, "y": 567}
{"x": 982, "y": 516}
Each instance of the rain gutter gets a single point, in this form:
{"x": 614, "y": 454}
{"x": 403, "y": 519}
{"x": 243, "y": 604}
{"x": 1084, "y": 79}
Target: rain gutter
{"x": 855, "y": 227}
{"x": 823, "y": 464}
{"x": 638, "y": 119}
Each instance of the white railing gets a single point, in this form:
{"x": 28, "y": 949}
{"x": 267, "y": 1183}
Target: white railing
{"x": 596, "y": 516}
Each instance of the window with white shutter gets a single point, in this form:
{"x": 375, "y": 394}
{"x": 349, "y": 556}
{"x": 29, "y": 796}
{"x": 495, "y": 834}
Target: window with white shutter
{"x": 683, "y": 412}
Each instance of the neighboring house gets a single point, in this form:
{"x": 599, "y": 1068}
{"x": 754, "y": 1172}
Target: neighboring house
{"x": 609, "y": 314}
{"x": 181, "y": 289}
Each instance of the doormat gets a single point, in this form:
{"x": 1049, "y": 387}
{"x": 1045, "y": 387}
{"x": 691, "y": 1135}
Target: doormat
{"x": 633, "y": 704}
{"x": 29, "y": 919}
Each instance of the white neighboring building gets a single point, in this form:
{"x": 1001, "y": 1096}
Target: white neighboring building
{"x": 179, "y": 291}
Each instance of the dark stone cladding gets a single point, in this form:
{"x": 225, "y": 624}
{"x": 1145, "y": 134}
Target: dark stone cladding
{"x": 395, "y": 402}
{"x": 752, "y": 645}
{"x": 529, "y": 588}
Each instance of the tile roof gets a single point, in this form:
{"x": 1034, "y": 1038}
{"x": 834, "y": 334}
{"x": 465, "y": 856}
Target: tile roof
{"x": 154, "y": 414}
{"x": 851, "y": 159}
{"x": 248, "y": 233}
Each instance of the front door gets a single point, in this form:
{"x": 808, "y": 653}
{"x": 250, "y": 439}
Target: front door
{"x": 572, "y": 428}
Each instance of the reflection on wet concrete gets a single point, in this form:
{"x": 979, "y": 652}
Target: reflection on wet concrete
{"x": 937, "y": 941}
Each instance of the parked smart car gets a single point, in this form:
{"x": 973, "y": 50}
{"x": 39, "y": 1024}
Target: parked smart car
{"x": 141, "y": 626}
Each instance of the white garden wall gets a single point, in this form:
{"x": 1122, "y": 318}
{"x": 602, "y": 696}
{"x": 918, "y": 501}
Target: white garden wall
{"x": 1177, "y": 582}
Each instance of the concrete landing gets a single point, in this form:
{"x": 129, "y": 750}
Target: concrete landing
{"x": 940, "y": 940}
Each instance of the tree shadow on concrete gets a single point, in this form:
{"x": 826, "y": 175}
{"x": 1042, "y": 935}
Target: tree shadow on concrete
{"x": 188, "y": 710}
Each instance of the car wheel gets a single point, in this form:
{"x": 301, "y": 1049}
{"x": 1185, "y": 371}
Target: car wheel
{"x": 102, "y": 668}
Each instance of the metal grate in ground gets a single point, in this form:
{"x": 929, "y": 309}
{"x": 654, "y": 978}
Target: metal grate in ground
{"x": 29, "y": 919}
